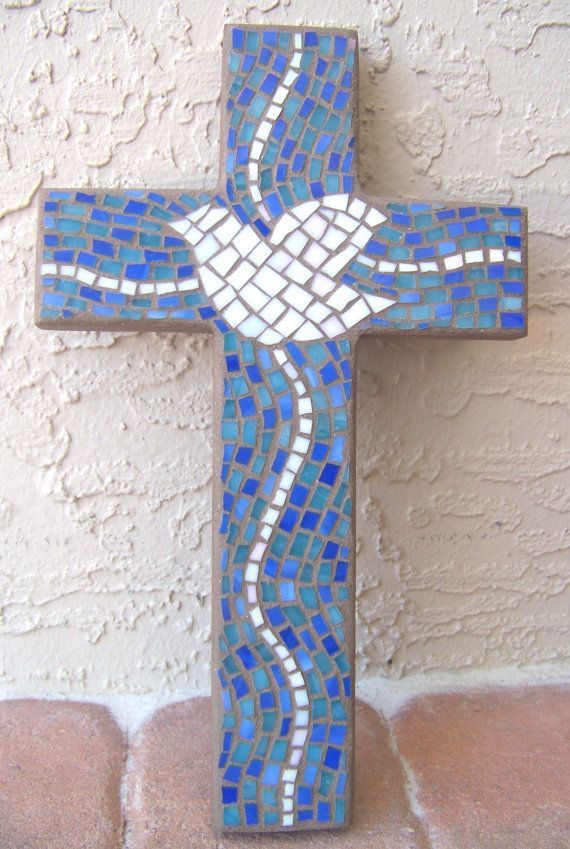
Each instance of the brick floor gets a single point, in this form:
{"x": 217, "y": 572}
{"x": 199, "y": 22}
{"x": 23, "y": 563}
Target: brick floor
{"x": 489, "y": 770}
{"x": 60, "y": 772}
{"x": 492, "y": 768}
{"x": 169, "y": 789}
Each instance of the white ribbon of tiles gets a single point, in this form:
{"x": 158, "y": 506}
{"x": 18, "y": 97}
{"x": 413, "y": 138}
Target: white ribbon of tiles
{"x": 265, "y": 126}
{"x": 300, "y": 699}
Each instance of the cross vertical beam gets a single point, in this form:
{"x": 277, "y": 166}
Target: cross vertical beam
{"x": 288, "y": 263}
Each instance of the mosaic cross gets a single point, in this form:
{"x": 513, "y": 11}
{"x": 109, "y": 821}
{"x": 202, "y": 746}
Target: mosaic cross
{"x": 288, "y": 263}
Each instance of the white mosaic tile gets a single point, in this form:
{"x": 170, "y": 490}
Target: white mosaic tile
{"x": 269, "y": 280}
{"x": 333, "y": 238}
{"x": 252, "y": 327}
{"x": 332, "y": 327}
{"x": 377, "y": 303}
{"x": 260, "y": 253}
{"x": 199, "y": 213}
{"x": 188, "y": 285}
{"x": 298, "y": 272}
{"x": 357, "y": 208}
{"x": 473, "y": 256}
{"x": 113, "y": 283}
{"x": 226, "y": 231}
{"x": 193, "y": 236}
{"x": 322, "y": 285}
{"x": 294, "y": 462}
{"x": 225, "y": 260}
{"x": 455, "y": 261}
{"x": 355, "y": 313}
{"x": 82, "y": 274}
{"x": 341, "y": 297}
{"x": 213, "y": 217}
{"x": 270, "y": 337}
{"x": 242, "y": 274}
{"x": 336, "y": 201}
{"x": 315, "y": 226}
{"x": 338, "y": 262}
{"x": 315, "y": 255}
{"x": 280, "y": 94}
{"x": 374, "y": 217}
{"x": 235, "y": 313}
{"x": 272, "y": 311}
{"x": 297, "y": 297}
{"x": 296, "y": 242}
{"x": 290, "y": 78}
{"x": 264, "y": 130}
{"x": 347, "y": 222}
{"x": 224, "y": 297}
{"x": 211, "y": 281}
{"x": 304, "y": 210}
{"x": 286, "y": 224}
{"x": 361, "y": 237}
{"x": 181, "y": 226}
{"x": 206, "y": 248}
{"x": 280, "y": 260}
{"x": 317, "y": 312}
{"x": 289, "y": 322}
{"x": 253, "y": 297}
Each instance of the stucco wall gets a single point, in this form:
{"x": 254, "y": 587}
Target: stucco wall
{"x": 105, "y": 439}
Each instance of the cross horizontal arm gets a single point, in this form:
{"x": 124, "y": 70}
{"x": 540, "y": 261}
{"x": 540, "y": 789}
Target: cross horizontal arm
{"x": 149, "y": 260}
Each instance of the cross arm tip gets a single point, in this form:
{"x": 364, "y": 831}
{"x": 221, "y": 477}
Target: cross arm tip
{"x": 453, "y": 270}
{"x": 117, "y": 259}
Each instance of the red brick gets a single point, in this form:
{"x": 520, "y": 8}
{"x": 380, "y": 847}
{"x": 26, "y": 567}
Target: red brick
{"x": 169, "y": 789}
{"x": 60, "y": 768}
{"x": 492, "y": 768}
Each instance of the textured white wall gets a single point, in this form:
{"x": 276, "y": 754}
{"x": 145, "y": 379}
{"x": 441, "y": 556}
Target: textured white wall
{"x": 105, "y": 439}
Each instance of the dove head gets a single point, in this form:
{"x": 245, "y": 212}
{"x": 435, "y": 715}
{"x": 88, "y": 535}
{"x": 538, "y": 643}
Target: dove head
{"x": 300, "y": 280}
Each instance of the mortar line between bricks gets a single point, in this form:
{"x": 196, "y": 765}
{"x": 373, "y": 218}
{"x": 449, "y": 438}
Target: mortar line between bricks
{"x": 124, "y": 790}
{"x": 411, "y": 786}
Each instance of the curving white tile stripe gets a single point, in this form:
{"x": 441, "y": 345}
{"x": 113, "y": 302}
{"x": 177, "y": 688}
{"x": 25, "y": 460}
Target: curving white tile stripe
{"x": 299, "y": 446}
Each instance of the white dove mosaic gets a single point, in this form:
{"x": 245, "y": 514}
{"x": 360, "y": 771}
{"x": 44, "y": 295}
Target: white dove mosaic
{"x": 287, "y": 289}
